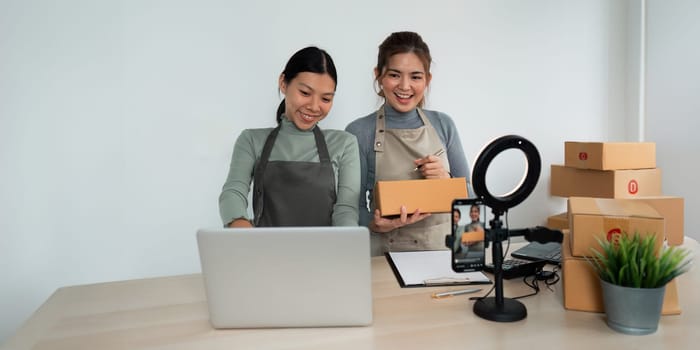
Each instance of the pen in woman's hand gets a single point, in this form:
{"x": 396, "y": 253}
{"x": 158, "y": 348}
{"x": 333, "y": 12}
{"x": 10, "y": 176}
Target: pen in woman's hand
{"x": 437, "y": 154}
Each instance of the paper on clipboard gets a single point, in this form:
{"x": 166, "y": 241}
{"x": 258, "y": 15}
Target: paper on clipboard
{"x": 430, "y": 268}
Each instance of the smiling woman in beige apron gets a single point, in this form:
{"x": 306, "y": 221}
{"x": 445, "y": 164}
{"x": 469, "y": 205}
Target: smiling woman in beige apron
{"x": 396, "y": 149}
{"x": 401, "y": 137}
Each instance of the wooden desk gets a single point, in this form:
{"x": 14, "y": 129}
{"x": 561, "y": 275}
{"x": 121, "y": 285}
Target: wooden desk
{"x": 171, "y": 313}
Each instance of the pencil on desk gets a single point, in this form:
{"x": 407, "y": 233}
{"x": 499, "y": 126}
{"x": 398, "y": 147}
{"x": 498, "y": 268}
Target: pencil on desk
{"x": 454, "y": 292}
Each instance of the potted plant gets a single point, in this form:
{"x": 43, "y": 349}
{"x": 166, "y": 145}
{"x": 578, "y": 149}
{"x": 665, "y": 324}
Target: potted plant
{"x": 633, "y": 275}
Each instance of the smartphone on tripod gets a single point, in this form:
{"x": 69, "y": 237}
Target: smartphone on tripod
{"x": 467, "y": 239}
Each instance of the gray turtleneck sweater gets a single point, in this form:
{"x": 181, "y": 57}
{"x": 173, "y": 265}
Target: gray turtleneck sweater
{"x": 364, "y": 129}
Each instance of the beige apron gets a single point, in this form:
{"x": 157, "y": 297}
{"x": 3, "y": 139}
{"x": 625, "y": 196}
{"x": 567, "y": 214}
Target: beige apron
{"x": 395, "y": 151}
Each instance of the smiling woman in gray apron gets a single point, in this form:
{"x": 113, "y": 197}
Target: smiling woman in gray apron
{"x": 401, "y": 137}
{"x": 302, "y": 176}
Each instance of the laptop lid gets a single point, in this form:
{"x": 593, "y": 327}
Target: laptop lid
{"x": 549, "y": 252}
{"x": 287, "y": 276}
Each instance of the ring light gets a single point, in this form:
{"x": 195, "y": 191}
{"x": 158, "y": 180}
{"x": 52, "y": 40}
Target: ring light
{"x": 527, "y": 184}
{"x": 499, "y": 308}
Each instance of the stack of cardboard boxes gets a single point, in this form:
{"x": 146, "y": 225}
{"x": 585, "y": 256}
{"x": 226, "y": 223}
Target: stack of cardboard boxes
{"x": 612, "y": 188}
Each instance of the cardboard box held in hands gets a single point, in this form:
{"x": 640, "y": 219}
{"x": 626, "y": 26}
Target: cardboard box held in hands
{"x": 428, "y": 195}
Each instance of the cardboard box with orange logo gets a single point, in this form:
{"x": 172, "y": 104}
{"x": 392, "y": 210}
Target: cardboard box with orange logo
{"x": 610, "y": 155}
{"x": 591, "y": 219}
{"x": 582, "y": 291}
{"x": 428, "y": 195}
{"x": 573, "y": 182}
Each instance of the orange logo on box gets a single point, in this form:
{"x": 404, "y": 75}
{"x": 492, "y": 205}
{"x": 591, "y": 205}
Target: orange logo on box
{"x": 632, "y": 187}
{"x": 614, "y": 235}
{"x": 582, "y": 155}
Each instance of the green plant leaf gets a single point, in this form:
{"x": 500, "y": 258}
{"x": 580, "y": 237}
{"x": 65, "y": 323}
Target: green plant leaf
{"x": 634, "y": 261}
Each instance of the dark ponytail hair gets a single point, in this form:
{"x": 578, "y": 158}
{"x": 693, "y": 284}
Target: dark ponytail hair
{"x": 309, "y": 59}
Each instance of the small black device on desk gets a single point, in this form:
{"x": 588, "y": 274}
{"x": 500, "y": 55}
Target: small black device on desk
{"x": 513, "y": 268}
{"x": 534, "y": 251}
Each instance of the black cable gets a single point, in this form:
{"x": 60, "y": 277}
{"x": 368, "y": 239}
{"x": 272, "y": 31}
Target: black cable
{"x": 549, "y": 282}
{"x": 532, "y": 284}
{"x": 551, "y": 279}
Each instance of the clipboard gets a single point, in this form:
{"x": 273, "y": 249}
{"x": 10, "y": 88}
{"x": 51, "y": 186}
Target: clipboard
{"x": 430, "y": 268}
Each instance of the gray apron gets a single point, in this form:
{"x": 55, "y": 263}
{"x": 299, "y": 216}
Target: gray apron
{"x": 289, "y": 193}
{"x": 395, "y": 150}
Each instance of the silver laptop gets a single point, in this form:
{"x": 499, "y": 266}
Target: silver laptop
{"x": 287, "y": 276}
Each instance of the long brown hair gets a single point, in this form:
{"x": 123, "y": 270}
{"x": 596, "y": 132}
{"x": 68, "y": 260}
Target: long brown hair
{"x": 402, "y": 42}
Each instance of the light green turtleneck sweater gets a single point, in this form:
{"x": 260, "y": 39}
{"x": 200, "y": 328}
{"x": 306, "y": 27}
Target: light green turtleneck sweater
{"x": 293, "y": 144}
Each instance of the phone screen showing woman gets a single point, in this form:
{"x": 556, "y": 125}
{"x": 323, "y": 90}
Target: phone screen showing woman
{"x": 468, "y": 235}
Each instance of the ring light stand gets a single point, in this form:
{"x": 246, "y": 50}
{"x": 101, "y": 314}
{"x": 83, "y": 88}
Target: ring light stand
{"x": 498, "y": 308}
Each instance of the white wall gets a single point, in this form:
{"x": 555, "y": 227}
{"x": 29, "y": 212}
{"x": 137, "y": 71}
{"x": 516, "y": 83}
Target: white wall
{"x": 673, "y": 99}
{"x": 117, "y": 118}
